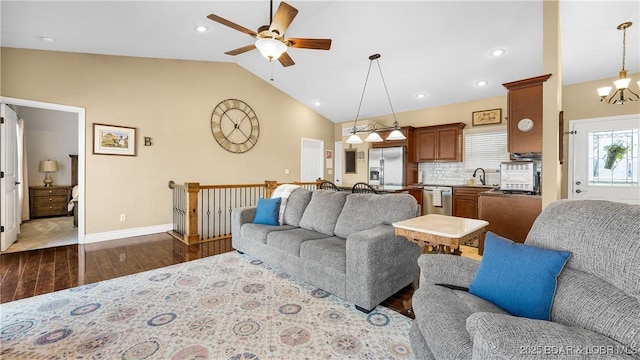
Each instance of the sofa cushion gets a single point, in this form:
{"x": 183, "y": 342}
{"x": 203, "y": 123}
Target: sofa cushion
{"x": 258, "y": 232}
{"x": 366, "y": 211}
{"x": 296, "y": 204}
{"x": 323, "y": 210}
{"x": 602, "y": 237}
{"x": 267, "y": 211}
{"x": 441, "y": 314}
{"x": 289, "y": 241}
{"x": 330, "y": 252}
{"x": 283, "y": 192}
{"x": 585, "y": 301}
{"x": 519, "y": 278}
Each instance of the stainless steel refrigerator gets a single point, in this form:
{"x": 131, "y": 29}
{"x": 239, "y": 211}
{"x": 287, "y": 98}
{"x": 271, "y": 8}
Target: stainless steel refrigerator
{"x": 386, "y": 166}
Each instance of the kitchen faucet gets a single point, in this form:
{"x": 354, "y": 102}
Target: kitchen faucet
{"x": 482, "y": 177}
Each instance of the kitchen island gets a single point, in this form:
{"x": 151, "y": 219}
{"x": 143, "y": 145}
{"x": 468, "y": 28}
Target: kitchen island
{"x": 509, "y": 215}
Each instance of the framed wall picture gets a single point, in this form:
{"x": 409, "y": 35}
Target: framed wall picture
{"x": 114, "y": 140}
{"x": 486, "y": 117}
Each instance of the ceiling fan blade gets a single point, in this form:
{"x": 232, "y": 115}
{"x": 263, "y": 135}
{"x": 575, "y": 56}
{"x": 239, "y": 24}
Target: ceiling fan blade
{"x": 232, "y": 25}
{"x": 316, "y": 44}
{"x": 241, "y": 50}
{"x": 286, "y": 60}
{"x": 283, "y": 18}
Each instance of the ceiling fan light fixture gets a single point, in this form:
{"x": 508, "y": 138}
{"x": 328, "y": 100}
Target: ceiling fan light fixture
{"x": 373, "y": 137}
{"x": 271, "y": 48}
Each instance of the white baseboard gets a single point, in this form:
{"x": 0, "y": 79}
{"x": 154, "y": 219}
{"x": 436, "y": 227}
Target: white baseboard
{"x": 120, "y": 234}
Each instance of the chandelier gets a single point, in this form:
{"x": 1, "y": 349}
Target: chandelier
{"x": 622, "y": 84}
{"x": 373, "y": 129}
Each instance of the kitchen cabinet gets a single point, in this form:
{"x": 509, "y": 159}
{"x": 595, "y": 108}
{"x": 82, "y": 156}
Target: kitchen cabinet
{"x": 49, "y": 201}
{"x": 509, "y": 215}
{"x": 411, "y": 167}
{"x": 524, "y": 119}
{"x": 465, "y": 201}
{"x": 439, "y": 143}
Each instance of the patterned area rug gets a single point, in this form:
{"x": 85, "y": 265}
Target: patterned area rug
{"x": 222, "y": 307}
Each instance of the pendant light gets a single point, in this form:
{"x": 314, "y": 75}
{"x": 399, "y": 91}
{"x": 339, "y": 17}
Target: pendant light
{"x": 373, "y": 129}
{"x": 622, "y": 84}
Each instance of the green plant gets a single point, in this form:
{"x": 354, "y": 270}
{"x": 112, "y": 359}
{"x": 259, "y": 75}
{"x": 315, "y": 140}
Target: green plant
{"x": 617, "y": 149}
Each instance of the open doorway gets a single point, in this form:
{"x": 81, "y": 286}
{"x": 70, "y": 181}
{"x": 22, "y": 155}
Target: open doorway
{"x": 54, "y": 139}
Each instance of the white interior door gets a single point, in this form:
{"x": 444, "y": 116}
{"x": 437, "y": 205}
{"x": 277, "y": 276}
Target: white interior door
{"x": 312, "y": 158}
{"x": 337, "y": 165}
{"x": 9, "y": 179}
{"x": 590, "y": 177}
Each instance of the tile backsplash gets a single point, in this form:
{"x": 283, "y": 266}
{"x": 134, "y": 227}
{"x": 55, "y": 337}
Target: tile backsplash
{"x": 450, "y": 173}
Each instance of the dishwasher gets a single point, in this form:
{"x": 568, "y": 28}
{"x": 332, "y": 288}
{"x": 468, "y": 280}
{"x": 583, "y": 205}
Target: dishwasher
{"x": 437, "y": 200}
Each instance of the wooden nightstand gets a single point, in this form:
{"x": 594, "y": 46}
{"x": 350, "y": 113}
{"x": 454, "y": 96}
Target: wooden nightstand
{"x": 49, "y": 200}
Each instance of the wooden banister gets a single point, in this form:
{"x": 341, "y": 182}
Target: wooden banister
{"x": 191, "y": 232}
{"x": 203, "y": 212}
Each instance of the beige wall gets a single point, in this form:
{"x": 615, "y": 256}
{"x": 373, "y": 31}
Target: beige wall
{"x": 171, "y": 102}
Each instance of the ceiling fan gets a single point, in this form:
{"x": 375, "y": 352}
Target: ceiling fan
{"x": 270, "y": 38}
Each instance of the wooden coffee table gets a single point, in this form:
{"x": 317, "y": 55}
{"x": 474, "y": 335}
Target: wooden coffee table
{"x": 441, "y": 233}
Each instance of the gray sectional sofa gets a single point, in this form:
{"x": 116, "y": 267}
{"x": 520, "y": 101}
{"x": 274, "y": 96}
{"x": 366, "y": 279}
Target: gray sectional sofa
{"x": 340, "y": 242}
{"x": 595, "y": 312}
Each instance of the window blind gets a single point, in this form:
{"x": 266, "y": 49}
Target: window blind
{"x": 485, "y": 150}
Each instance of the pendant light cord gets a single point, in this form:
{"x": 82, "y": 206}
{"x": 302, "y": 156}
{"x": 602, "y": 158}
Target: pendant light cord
{"x": 384, "y": 83}
{"x": 624, "y": 46}
{"x": 395, "y": 122}
{"x": 366, "y": 80}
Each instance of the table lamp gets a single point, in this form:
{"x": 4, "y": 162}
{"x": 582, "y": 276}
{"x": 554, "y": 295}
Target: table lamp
{"x": 48, "y": 166}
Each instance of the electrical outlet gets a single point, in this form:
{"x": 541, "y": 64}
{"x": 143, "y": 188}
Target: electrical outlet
{"x": 123, "y": 217}
{"x": 286, "y": 171}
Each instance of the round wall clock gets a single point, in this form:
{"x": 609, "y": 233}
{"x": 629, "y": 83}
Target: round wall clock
{"x": 235, "y": 126}
{"x": 525, "y": 125}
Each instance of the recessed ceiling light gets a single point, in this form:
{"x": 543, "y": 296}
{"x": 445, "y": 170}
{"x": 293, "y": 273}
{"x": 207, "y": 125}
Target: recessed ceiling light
{"x": 421, "y": 95}
{"x": 497, "y": 52}
{"x": 47, "y": 38}
{"x": 201, "y": 28}
{"x": 482, "y": 83}
{"x": 317, "y": 103}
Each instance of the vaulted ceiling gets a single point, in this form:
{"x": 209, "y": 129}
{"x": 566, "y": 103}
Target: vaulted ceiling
{"x": 440, "y": 49}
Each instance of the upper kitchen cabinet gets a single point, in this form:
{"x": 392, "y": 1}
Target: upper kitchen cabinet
{"x": 524, "y": 125}
{"x": 439, "y": 143}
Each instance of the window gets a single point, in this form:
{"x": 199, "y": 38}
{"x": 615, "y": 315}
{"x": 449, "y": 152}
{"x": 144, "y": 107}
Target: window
{"x": 485, "y": 150}
{"x": 608, "y": 169}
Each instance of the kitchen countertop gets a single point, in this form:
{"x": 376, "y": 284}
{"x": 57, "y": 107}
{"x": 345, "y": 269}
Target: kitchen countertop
{"x": 500, "y": 193}
{"x": 390, "y": 188}
{"x": 488, "y": 187}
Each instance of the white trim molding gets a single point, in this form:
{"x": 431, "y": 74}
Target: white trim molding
{"x": 120, "y": 234}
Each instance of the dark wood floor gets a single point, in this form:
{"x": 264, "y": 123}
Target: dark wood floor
{"x": 30, "y": 273}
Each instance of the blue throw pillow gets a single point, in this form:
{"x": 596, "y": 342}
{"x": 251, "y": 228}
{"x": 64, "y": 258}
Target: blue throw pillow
{"x": 519, "y": 278}
{"x": 267, "y": 211}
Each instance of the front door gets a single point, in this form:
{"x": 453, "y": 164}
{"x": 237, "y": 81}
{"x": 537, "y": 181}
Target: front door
{"x": 595, "y": 171}
{"x": 9, "y": 167}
